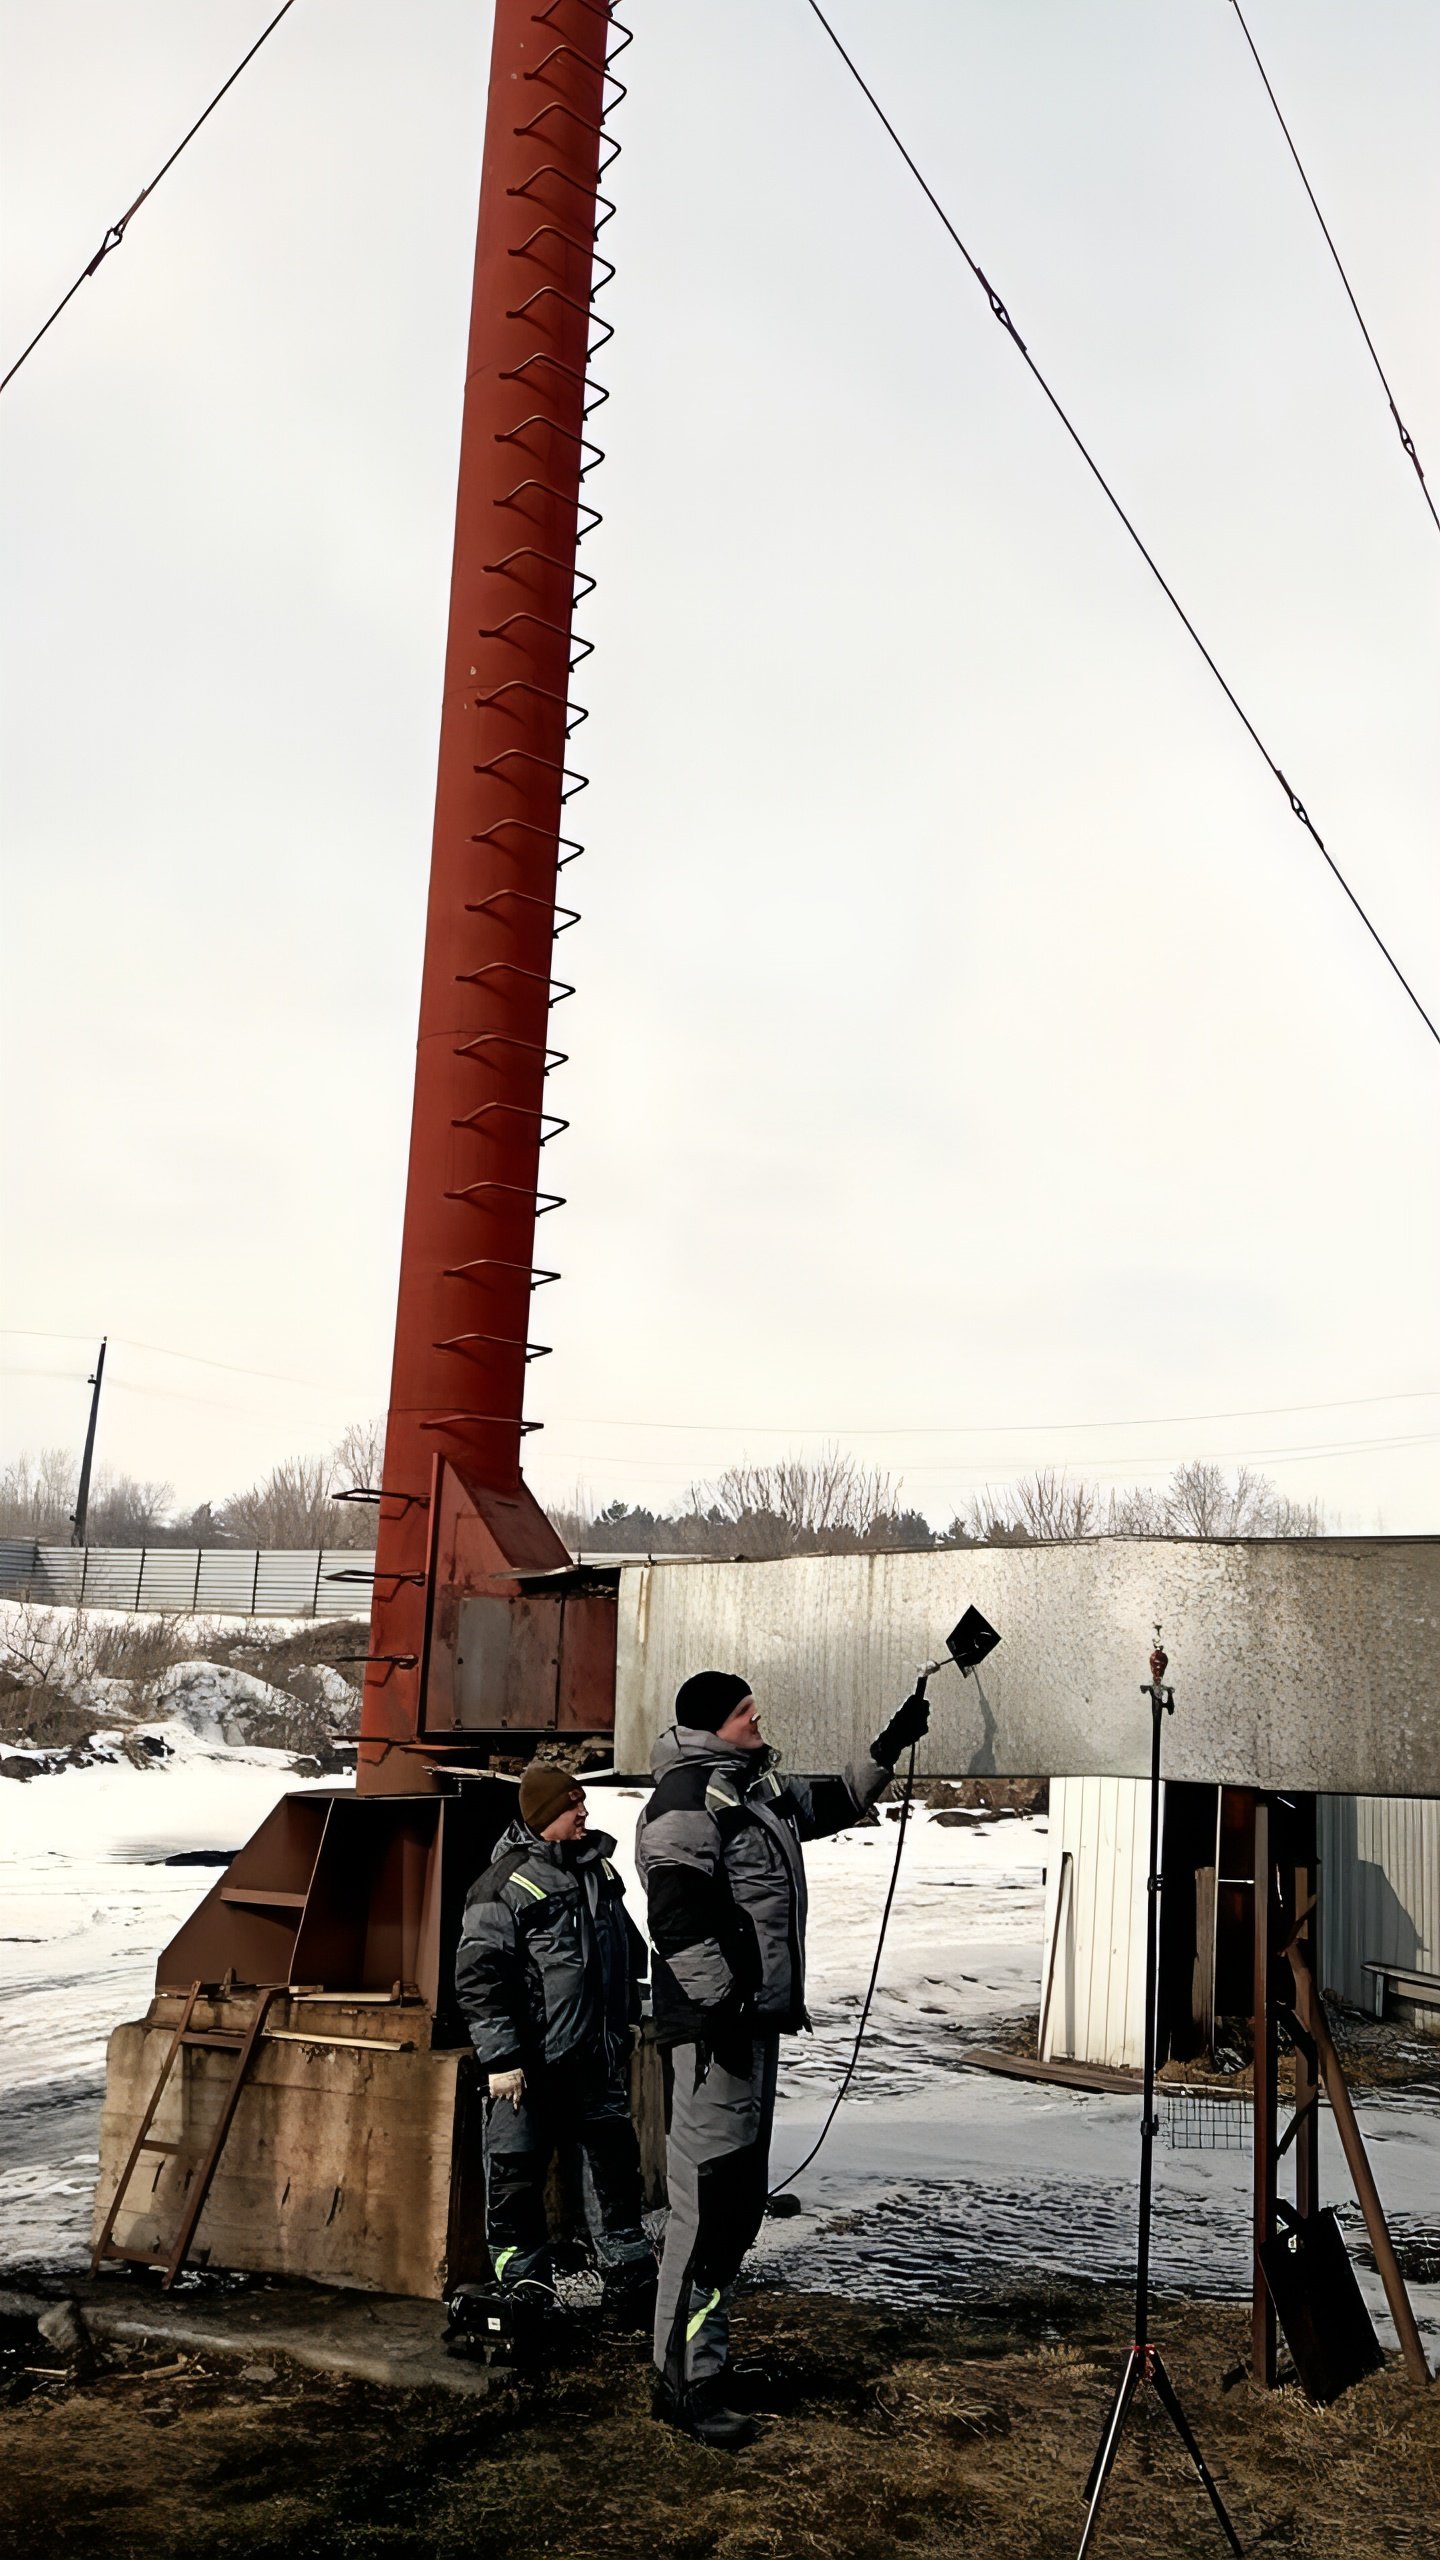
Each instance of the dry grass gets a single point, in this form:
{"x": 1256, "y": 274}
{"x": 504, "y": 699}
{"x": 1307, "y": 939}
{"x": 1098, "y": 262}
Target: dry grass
{"x": 936, "y": 2436}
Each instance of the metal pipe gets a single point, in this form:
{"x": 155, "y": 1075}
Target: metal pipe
{"x": 1263, "y": 2339}
{"x": 467, "y": 1252}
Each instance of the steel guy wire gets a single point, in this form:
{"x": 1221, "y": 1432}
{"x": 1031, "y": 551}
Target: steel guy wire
{"x": 1000, "y": 312}
{"x": 1402, "y": 430}
{"x": 117, "y": 230}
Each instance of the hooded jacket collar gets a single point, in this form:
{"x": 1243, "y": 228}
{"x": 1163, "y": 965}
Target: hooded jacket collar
{"x": 569, "y": 1855}
{"x": 692, "y": 1744}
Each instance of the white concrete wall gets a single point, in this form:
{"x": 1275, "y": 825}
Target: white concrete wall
{"x": 1307, "y": 1662}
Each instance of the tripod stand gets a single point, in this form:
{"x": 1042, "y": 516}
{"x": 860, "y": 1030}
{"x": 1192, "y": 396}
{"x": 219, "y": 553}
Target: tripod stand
{"x": 1144, "y": 2363}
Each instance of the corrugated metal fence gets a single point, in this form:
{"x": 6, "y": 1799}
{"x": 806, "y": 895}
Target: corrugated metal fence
{"x": 246, "y": 1582}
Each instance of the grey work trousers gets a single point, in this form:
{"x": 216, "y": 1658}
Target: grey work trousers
{"x": 718, "y": 2169}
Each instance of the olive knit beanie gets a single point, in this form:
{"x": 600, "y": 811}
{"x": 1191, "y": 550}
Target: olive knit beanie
{"x": 546, "y": 1792}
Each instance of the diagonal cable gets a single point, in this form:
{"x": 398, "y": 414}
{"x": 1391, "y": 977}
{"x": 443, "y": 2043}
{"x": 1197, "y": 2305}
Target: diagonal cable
{"x": 117, "y": 230}
{"x": 1403, "y": 431}
{"x": 1007, "y": 324}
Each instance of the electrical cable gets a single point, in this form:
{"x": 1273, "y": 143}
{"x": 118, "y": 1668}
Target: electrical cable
{"x": 849, "y": 2071}
{"x": 1000, "y": 312}
{"x": 1403, "y": 431}
{"x": 117, "y": 230}
{"x": 785, "y": 1430}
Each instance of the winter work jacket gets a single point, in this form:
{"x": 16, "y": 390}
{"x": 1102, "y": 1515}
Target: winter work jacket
{"x": 718, "y": 1848}
{"x": 549, "y": 1963}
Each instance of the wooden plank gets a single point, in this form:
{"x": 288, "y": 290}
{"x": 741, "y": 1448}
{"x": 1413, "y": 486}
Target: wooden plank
{"x": 337, "y": 2166}
{"x": 1095, "y": 2076}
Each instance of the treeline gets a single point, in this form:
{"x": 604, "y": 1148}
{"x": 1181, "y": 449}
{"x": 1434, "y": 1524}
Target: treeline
{"x": 295, "y": 1505}
{"x": 830, "y": 1505}
{"x": 835, "y": 1506}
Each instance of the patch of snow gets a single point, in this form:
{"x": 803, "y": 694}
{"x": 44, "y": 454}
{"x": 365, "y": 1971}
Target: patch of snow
{"x": 86, "y": 1903}
{"x": 216, "y": 1701}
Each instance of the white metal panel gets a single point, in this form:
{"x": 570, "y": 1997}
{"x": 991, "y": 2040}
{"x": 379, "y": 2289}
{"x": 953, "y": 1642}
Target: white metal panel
{"x": 1379, "y": 1888}
{"x": 1095, "y": 1892}
{"x": 1304, "y": 1662}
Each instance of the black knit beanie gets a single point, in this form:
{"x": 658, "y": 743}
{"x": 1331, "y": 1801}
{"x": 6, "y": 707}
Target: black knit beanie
{"x": 706, "y": 1699}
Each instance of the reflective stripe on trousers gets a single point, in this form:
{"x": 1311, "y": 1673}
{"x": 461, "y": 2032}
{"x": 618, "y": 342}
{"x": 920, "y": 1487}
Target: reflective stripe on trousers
{"x": 718, "y": 2166}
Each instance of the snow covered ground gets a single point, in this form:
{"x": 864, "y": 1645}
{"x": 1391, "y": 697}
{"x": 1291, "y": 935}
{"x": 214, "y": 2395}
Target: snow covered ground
{"x": 938, "y": 2183}
{"x": 85, "y": 1890}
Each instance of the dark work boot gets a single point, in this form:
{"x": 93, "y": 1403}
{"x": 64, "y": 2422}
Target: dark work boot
{"x": 627, "y": 2299}
{"x": 540, "y": 2329}
{"x": 761, "y": 2388}
{"x": 700, "y": 2411}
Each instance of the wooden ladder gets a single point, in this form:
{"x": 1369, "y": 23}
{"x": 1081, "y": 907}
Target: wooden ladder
{"x": 242, "y": 2042}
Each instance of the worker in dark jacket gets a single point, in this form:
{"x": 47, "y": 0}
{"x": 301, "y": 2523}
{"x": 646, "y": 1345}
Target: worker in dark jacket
{"x": 548, "y": 1976}
{"x": 718, "y": 1848}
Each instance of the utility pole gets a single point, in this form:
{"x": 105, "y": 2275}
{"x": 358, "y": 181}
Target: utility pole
{"x": 82, "y": 1498}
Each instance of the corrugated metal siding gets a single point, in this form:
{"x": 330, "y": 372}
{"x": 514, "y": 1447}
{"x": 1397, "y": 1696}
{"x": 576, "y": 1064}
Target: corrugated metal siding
{"x": 247, "y": 1582}
{"x": 1379, "y": 1888}
{"x": 1300, "y": 1662}
{"x": 1095, "y": 1885}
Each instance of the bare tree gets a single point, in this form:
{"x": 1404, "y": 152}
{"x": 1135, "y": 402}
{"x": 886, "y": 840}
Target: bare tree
{"x": 358, "y": 1456}
{"x": 1201, "y": 1501}
{"x": 37, "y": 1497}
{"x": 1045, "y": 1509}
{"x": 792, "y": 1506}
{"x": 1056, "y": 1507}
{"x": 125, "y": 1513}
{"x": 1137, "y": 1511}
{"x": 295, "y": 1505}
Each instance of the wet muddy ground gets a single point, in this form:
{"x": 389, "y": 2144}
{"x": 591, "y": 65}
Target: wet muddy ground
{"x": 935, "y": 2434}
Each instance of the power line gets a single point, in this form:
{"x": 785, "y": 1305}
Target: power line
{"x": 781, "y": 1430}
{"x": 1402, "y": 430}
{"x": 957, "y": 1430}
{"x": 166, "y": 1351}
{"x": 977, "y": 1470}
{"x": 117, "y": 230}
{"x": 1000, "y": 312}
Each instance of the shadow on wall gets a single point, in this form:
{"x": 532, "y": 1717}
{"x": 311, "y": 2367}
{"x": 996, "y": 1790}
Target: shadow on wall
{"x": 1363, "y": 1919}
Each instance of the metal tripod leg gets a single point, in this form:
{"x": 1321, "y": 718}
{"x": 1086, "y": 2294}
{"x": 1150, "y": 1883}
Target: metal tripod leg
{"x": 1108, "y": 2446}
{"x": 1165, "y": 2391}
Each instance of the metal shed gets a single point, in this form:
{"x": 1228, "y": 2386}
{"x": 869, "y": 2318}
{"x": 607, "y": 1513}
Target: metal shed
{"x": 1379, "y": 1913}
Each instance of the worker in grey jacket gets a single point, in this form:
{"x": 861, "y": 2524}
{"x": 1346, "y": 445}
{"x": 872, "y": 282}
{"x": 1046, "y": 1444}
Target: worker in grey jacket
{"x": 548, "y": 1975}
{"x": 718, "y": 1849}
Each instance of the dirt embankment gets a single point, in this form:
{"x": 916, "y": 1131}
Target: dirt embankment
{"x": 936, "y": 2436}
{"x": 68, "y": 1675}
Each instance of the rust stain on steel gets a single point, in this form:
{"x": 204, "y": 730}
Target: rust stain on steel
{"x": 1311, "y": 1663}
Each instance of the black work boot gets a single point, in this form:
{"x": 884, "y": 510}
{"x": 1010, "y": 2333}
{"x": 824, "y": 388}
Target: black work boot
{"x": 700, "y": 2411}
{"x": 627, "y": 2299}
{"x": 539, "y": 2329}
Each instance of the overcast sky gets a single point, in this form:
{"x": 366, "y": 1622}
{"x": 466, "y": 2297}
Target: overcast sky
{"x": 967, "y": 1037}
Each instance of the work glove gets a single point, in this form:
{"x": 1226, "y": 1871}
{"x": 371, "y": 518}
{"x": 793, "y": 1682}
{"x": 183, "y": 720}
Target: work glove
{"x": 508, "y": 2084}
{"x": 905, "y": 1726}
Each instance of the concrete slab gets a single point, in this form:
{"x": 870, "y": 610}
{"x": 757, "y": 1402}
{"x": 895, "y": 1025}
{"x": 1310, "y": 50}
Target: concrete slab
{"x": 389, "y": 2339}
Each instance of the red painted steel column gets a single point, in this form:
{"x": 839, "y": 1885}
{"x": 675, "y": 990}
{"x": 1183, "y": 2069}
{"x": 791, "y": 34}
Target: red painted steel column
{"x": 464, "y": 1313}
